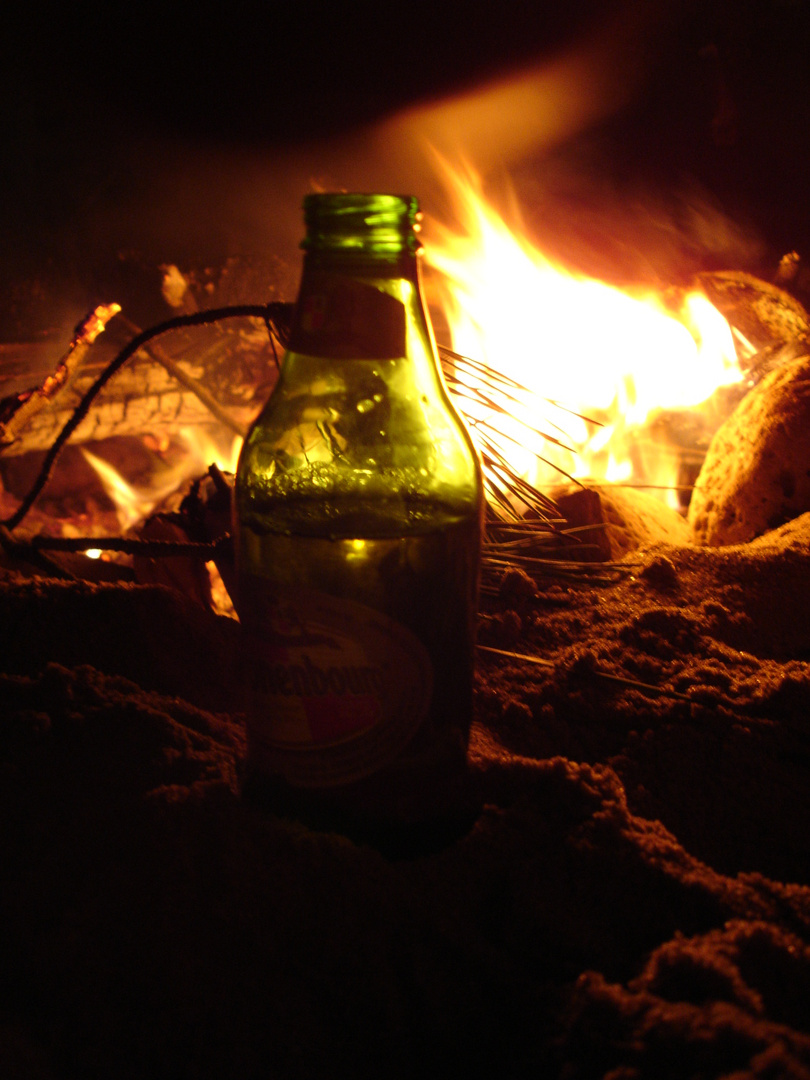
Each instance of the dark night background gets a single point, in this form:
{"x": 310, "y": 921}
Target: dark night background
{"x": 633, "y": 900}
{"x": 99, "y": 107}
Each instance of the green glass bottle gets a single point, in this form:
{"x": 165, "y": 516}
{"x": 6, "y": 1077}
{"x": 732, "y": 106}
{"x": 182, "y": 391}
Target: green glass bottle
{"x": 358, "y": 511}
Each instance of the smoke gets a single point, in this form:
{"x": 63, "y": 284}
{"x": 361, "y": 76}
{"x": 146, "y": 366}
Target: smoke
{"x": 125, "y": 206}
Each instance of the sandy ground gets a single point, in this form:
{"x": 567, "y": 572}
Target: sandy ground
{"x": 632, "y": 901}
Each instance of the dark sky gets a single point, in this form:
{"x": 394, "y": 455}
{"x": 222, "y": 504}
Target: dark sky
{"x": 88, "y": 90}
{"x": 273, "y": 71}
{"x": 95, "y": 98}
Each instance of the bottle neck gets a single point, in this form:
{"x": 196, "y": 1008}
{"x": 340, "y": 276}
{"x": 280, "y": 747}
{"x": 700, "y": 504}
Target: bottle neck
{"x": 360, "y": 284}
{"x": 377, "y": 229}
{"x": 354, "y": 308}
{"x": 361, "y": 265}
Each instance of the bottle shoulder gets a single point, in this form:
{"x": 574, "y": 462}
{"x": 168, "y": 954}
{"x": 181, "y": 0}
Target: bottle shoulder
{"x": 360, "y": 417}
{"x": 357, "y": 440}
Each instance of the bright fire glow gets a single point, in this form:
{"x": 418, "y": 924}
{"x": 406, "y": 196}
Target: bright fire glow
{"x": 96, "y": 321}
{"x": 594, "y": 364}
{"x": 578, "y": 345}
{"x": 199, "y": 451}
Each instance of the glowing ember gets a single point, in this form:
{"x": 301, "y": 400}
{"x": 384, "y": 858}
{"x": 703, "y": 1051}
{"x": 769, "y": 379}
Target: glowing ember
{"x": 96, "y": 321}
{"x": 198, "y": 451}
{"x": 594, "y": 365}
{"x": 578, "y": 345}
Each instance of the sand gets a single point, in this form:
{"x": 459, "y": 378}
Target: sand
{"x": 633, "y": 900}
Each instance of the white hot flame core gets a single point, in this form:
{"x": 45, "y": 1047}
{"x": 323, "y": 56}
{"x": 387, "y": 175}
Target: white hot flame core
{"x": 572, "y": 342}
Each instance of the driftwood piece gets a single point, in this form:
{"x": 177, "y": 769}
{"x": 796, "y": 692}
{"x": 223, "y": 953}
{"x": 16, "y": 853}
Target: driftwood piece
{"x": 234, "y": 370}
{"x": 756, "y": 475}
{"x": 767, "y": 315}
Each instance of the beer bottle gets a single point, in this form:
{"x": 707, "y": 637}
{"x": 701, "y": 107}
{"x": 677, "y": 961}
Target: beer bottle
{"x": 358, "y": 509}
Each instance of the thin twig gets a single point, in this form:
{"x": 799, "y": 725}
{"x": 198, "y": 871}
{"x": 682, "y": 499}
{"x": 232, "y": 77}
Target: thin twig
{"x": 127, "y": 544}
{"x": 32, "y": 548}
{"x": 634, "y": 684}
{"x": 155, "y": 352}
{"x": 197, "y": 318}
{"x": 29, "y": 405}
{"x": 538, "y": 660}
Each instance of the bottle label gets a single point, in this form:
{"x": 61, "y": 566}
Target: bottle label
{"x": 336, "y": 689}
{"x": 344, "y": 319}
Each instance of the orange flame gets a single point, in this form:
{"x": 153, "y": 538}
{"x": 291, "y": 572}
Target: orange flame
{"x": 134, "y": 504}
{"x": 576, "y": 344}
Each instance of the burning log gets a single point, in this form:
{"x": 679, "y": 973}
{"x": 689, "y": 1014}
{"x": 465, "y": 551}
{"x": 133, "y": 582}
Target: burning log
{"x": 153, "y": 393}
{"x": 756, "y": 472}
{"x": 83, "y": 408}
{"x": 147, "y": 399}
{"x": 756, "y": 475}
{"x": 18, "y": 413}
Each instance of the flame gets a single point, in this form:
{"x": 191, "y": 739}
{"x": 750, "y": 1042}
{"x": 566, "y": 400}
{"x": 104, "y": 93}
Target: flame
{"x": 580, "y": 347}
{"x": 96, "y": 322}
{"x": 197, "y": 451}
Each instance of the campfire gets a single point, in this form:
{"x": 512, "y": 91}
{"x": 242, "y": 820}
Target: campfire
{"x": 569, "y": 385}
{"x": 632, "y": 899}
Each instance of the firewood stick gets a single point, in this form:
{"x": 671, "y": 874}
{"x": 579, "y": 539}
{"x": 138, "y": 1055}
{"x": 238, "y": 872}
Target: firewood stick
{"x": 156, "y": 352}
{"x": 145, "y": 397}
{"x": 135, "y": 345}
{"x": 86, "y": 333}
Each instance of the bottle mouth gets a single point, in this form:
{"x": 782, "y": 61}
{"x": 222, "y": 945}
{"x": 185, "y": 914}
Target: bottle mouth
{"x": 369, "y": 224}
